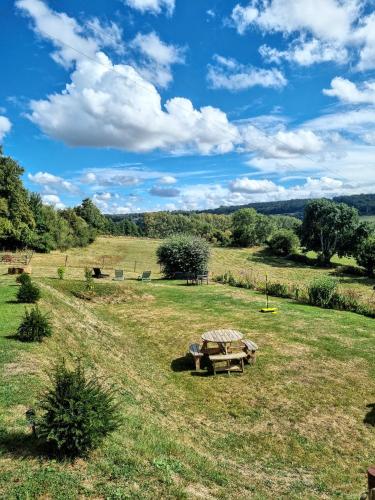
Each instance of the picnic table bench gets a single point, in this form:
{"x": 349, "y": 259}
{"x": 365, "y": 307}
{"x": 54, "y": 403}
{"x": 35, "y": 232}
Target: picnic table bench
{"x": 227, "y": 359}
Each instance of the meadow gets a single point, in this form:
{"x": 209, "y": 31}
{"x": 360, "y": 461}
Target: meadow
{"x": 298, "y": 424}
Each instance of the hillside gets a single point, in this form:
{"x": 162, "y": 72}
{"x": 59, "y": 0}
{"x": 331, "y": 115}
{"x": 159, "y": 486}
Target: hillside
{"x": 364, "y": 203}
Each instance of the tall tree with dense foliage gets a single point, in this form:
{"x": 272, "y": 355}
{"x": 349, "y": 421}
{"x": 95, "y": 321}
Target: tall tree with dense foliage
{"x": 251, "y": 228}
{"x": 91, "y": 214}
{"x": 330, "y": 228}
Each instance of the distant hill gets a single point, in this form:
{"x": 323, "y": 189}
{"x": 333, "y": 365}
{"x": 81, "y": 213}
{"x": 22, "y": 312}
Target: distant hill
{"x": 365, "y": 203}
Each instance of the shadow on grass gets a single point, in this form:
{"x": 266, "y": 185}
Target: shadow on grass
{"x": 264, "y": 256}
{"x": 183, "y": 364}
{"x": 370, "y": 415}
{"x": 20, "y": 445}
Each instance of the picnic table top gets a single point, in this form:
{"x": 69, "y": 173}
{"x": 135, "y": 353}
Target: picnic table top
{"x": 222, "y": 336}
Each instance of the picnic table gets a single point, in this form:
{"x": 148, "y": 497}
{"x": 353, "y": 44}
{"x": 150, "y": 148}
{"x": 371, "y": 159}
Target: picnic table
{"x": 221, "y": 337}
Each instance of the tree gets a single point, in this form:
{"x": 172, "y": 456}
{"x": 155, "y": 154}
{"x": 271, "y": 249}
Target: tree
{"x": 329, "y": 228}
{"x": 365, "y": 254}
{"x": 183, "y": 254}
{"x": 91, "y": 214}
{"x": 251, "y": 228}
{"x": 284, "y": 242}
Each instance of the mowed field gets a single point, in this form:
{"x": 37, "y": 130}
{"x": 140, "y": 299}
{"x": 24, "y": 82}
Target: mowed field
{"x": 295, "y": 425}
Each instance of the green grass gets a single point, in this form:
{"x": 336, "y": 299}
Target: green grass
{"x": 292, "y": 426}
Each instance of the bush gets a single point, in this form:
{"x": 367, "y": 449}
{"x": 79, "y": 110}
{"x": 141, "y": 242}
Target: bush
{"x": 322, "y": 291}
{"x": 34, "y": 327}
{"x": 78, "y": 412}
{"x": 28, "y": 293}
{"x": 365, "y": 255}
{"x": 278, "y": 290}
{"x": 61, "y": 272}
{"x": 89, "y": 280}
{"x": 23, "y": 278}
{"x": 183, "y": 254}
{"x": 284, "y": 242}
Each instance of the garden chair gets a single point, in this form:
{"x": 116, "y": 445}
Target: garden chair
{"x": 145, "y": 276}
{"x": 119, "y": 275}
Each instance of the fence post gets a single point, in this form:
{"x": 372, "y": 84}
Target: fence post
{"x": 135, "y": 266}
{"x": 66, "y": 261}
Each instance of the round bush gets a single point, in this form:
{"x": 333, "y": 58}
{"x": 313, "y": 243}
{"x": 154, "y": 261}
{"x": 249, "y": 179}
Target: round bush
{"x": 284, "y": 242}
{"x": 183, "y": 254}
{"x": 28, "y": 293}
{"x": 322, "y": 291}
{"x": 34, "y": 327}
{"x": 78, "y": 412}
{"x": 23, "y": 278}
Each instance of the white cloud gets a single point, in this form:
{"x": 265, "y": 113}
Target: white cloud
{"x": 5, "y": 126}
{"x": 52, "y": 182}
{"x": 231, "y": 75}
{"x": 52, "y": 200}
{"x": 349, "y": 121}
{"x": 71, "y": 40}
{"x": 282, "y": 144}
{"x": 164, "y": 192}
{"x": 152, "y": 6}
{"x": 168, "y": 179}
{"x": 306, "y": 53}
{"x": 351, "y": 93}
{"x": 333, "y": 27}
{"x": 157, "y": 58}
{"x": 246, "y": 185}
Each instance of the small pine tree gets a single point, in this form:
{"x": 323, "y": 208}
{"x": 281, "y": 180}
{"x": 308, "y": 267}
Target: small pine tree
{"x": 28, "y": 293}
{"x": 23, "y": 278}
{"x": 77, "y": 412}
{"x": 89, "y": 280}
{"x": 34, "y": 326}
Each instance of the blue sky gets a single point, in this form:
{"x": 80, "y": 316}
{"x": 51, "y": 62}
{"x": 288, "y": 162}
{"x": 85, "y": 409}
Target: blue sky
{"x": 177, "y": 104}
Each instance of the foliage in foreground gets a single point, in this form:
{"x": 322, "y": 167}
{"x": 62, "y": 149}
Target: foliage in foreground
{"x": 23, "y": 278}
{"x": 34, "y": 326}
{"x": 183, "y": 254}
{"x": 366, "y": 255}
{"x": 28, "y": 293}
{"x": 78, "y": 412}
{"x": 322, "y": 291}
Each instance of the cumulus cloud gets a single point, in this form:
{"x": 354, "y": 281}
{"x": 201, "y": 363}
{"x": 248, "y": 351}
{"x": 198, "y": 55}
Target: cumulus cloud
{"x": 329, "y": 29}
{"x": 157, "y": 58}
{"x": 164, "y": 192}
{"x": 246, "y": 185}
{"x": 306, "y": 52}
{"x": 351, "y": 93}
{"x": 5, "y": 126}
{"x": 52, "y": 200}
{"x": 52, "y": 182}
{"x": 71, "y": 39}
{"x": 168, "y": 179}
{"x": 231, "y": 75}
{"x": 152, "y": 6}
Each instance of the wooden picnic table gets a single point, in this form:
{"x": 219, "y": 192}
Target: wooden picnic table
{"x": 221, "y": 337}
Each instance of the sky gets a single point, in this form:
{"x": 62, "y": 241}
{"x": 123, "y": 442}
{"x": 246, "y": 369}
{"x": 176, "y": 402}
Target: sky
{"x": 147, "y": 105}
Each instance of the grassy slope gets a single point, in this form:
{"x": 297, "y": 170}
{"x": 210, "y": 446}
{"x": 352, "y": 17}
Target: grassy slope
{"x": 292, "y": 425}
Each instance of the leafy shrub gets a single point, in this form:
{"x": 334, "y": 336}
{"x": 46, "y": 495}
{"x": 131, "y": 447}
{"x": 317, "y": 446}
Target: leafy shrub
{"x": 61, "y": 272}
{"x": 278, "y": 290}
{"x": 365, "y": 255}
{"x": 78, "y": 412}
{"x": 28, "y": 293}
{"x": 284, "y": 242}
{"x": 23, "y": 278}
{"x": 34, "y": 327}
{"x": 322, "y": 291}
{"x": 183, "y": 254}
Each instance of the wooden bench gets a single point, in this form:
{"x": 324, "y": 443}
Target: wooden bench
{"x": 250, "y": 349}
{"x": 227, "y": 358}
{"x": 195, "y": 351}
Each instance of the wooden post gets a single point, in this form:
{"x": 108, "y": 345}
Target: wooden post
{"x": 135, "y": 266}
{"x": 66, "y": 261}
{"x": 103, "y": 261}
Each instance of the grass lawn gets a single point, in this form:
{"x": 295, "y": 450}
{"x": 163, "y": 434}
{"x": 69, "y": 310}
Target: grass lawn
{"x": 292, "y": 426}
